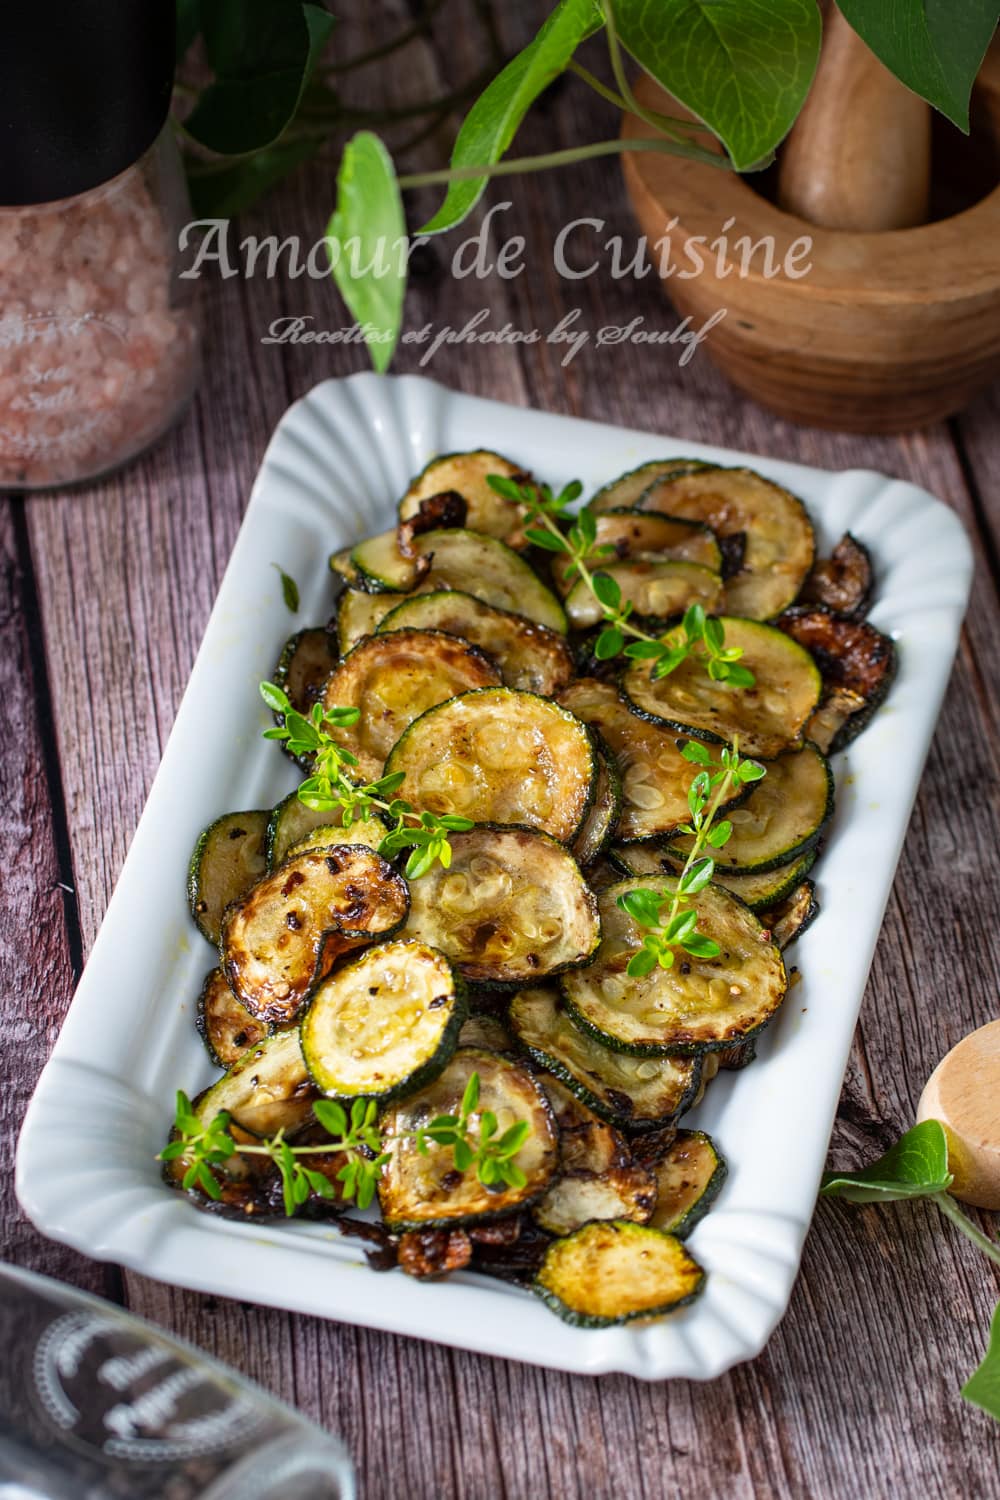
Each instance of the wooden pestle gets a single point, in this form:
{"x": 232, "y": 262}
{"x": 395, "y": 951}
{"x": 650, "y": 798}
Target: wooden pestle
{"x": 963, "y": 1093}
{"x": 858, "y": 157}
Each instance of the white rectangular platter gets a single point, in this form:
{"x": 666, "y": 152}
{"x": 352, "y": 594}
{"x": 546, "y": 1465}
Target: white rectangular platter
{"x": 334, "y": 469}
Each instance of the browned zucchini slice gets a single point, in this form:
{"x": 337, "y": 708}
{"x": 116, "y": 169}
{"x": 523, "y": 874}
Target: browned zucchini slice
{"x": 379, "y": 565}
{"x": 383, "y": 1024}
{"x": 735, "y": 1059}
{"x": 437, "y": 513}
{"x": 789, "y": 918}
{"x": 340, "y": 563}
{"x": 780, "y": 546}
{"x": 224, "y": 1024}
{"x": 616, "y": 1271}
{"x": 768, "y": 717}
{"x": 602, "y": 873}
{"x": 467, "y": 474}
{"x": 228, "y": 858}
{"x": 529, "y": 656}
{"x": 393, "y": 679}
{"x": 512, "y": 907}
{"x": 832, "y": 726}
{"x": 267, "y": 1090}
{"x": 784, "y": 815}
{"x": 701, "y": 1004}
{"x": 304, "y": 665}
{"x": 586, "y": 1142}
{"x": 485, "y": 1031}
{"x": 844, "y": 581}
{"x": 857, "y": 664}
{"x": 418, "y": 1190}
{"x": 651, "y": 587}
{"x": 645, "y": 534}
{"x": 487, "y": 568}
{"x": 578, "y": 1198}
{"x": 292, "y": 823}
{"x": 605, "y": 810}
{"x": 637, "y": 1093}
{"x": 500, "y": 756}
{"x": 359, "y": 614}
{"x": 289, "y": 929}
{"x": 759, "y": 891}
{"x": 623, "y": 493}
{"x": 470, "y": 561}
{"x": 688, "y": 1180}
{"x": 655, "y": 775}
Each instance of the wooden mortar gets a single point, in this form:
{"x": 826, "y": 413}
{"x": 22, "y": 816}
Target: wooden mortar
{"x": 963, "y": 1093}
{"x": 889, "y": 330}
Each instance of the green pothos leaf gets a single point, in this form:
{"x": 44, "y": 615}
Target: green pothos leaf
{"x": 935, "y": 46}
{"x": 368, "y": 245}
{"x": 262, "y": 53}
{"x": 742, "y": 66}
{"x": 915, "y": 1167}
{"x": 983, "y": 1386}
{"x": 220, "y": 190}
{"x": 188, "y": 25}
{"x": 493, "y": 120}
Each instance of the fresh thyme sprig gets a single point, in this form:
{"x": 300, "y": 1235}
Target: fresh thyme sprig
{"x": 698, "y": 635}
{"x": 493, "y": 1157}
{"x": 329, "y": 786}
{"x": 474, "y": 1145}
{"x": 712, "y": 786}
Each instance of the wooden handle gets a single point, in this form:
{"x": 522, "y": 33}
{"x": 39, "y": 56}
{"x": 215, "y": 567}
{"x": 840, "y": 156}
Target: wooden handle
{"x": 963, "y": 1093}
{"x": 859, "y": 154}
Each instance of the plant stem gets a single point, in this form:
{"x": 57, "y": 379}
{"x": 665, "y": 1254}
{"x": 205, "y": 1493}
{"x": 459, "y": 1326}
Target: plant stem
{"x": 951, "y": 1210}
{"x": 651, "y": 117}
{"x": 516, "y": 165}
{"x": 701, "y": 836}
{"x": 621, "y": 623}
{"x": 269, "y": 1150}
{"x": 384, "y": 49}
{"x": 665, "y": 122}
{"x": 595, "y": 83}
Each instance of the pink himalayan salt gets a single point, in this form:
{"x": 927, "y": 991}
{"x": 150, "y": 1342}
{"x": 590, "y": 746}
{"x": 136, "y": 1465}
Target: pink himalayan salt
{"x": 99, "y": 340}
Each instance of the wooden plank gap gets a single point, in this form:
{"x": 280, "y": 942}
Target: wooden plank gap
{"x": 34, "y": 632}
{"x": 987, "y": 541}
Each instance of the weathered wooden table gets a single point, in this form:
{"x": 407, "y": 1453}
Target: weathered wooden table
{"x": 105, "y": 593}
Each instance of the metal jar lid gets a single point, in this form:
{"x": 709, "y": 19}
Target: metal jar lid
{"x": 84, "y": 92}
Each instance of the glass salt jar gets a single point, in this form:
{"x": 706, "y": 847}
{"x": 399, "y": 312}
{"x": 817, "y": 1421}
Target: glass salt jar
{"x": 99, "y": 333}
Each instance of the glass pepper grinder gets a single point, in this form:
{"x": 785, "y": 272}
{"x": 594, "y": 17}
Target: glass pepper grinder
{"x": 99, "y": 336}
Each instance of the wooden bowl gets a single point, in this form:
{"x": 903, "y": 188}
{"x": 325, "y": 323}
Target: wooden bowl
{"x": 887, "y": 331}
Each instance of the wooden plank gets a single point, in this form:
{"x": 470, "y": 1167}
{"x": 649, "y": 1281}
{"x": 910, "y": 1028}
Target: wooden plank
{"x": 39, "y": 944}
{"x": 976, "y": 432}
{"x": 839, "y": 1402}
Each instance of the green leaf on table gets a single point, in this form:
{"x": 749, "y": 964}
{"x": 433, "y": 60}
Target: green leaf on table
{"x": 368, "y": 243}
{"x": 262, "y": 53}
{"x": 934, "y": 46}
{"x": 494, "y": 118}
{"x": 915, "y": 1167}
{"x": 742, "y": 66}
{"x": 983, "y": 1386}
